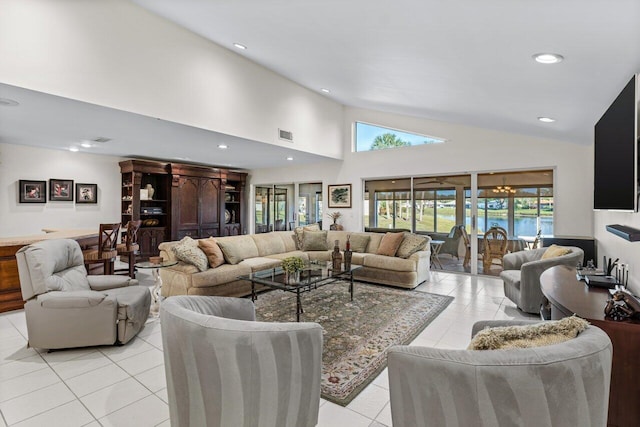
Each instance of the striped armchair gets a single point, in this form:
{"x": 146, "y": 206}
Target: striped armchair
{"x": 564, "y": 384}
{"x": 225, "y": 369}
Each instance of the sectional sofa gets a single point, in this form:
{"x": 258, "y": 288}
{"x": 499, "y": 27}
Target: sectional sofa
{"x": 249, "y": 253}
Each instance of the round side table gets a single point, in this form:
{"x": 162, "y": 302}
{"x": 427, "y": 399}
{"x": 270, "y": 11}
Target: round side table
{"x": 157, "y": 287}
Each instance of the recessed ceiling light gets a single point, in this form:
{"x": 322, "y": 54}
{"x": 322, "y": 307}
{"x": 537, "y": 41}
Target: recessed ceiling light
{"x": 548, "y": 58}
{"x": 289, "y": 158}
{"x": 325, "y": 90}
{"x": 86, "y": 144}
{"x": 6, "y": 102}
{"x": 223, "y": 146}
{"x": 74, "y": 149}
{"x": 546, "y": 119}
{"x": 240, "y": 46}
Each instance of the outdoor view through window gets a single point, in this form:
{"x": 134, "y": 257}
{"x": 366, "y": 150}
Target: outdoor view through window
{"x": 371, "y": 137}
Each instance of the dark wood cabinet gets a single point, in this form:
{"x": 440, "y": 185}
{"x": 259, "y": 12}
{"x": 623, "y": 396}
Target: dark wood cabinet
{"x": 568, "y": 296}
{"x": 188, "y": 200}
{"x": 149, "y": 238}
{"x": 151, "y": 205}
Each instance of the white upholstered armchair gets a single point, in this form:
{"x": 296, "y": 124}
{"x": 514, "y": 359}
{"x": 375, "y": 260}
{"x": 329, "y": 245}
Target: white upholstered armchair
{"x": 65, "y": 308}
{"x": 564, "y": 384}
{"x": 225, "y": 369}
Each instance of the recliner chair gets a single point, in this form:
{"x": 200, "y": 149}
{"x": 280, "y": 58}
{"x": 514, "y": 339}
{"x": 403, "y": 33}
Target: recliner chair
{"x": 66, "y": 308}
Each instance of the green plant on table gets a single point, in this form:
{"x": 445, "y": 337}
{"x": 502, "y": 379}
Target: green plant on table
{"x": 292, "y": 264}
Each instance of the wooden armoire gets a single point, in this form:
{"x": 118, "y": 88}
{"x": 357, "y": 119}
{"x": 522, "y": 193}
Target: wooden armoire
{"x": 188, "y": 200}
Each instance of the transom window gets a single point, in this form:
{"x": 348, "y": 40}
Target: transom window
{"x": 372, "y": 137}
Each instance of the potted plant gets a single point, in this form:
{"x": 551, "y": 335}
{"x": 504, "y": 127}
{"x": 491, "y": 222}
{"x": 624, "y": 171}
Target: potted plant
{"x": 334, "y": 216}
{"x": 292, "y": 267}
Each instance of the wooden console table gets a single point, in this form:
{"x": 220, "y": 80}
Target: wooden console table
{"x": 567, "y": 296}
{"x": 10, "y": 294}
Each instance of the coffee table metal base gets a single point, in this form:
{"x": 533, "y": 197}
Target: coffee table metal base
{"x": 300, "y": 288}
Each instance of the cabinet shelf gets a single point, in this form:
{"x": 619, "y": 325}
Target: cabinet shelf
{"x": 154, "y": 200}
{"x": 152, "y": 214}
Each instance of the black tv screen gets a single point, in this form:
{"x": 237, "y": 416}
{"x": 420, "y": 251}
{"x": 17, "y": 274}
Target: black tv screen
{"x": 615, "y": 181}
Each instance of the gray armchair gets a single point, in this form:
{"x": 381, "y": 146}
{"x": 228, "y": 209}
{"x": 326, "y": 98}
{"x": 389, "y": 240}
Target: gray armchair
{"x": 451, "y": 241}
{"x": 565, "y": 384}
{"x": 521, "y": 275}
{"x": 66, "y": 308}
{"x": 225, "y": 369}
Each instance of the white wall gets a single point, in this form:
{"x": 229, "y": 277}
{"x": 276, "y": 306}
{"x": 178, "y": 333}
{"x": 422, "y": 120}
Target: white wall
{"x": 116, "y": 54}
{"x": 21, "y": 162}
{"x": 468, "y": 150}
{"x": 613, "y": 246}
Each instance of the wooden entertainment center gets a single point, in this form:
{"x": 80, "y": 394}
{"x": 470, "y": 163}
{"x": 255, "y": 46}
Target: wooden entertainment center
{"x": 567, "y": 296}
{"x": 188, "y": 200}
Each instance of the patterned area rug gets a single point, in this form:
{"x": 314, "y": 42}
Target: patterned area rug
{"x": 357, "y": 333}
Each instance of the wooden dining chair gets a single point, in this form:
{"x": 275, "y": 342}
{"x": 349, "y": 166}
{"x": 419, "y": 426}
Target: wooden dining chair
{"x": 495, "y": 246}
{"x": 129, "y": 248}
{"x": 467, "y": 245}
{"x": 106, "y": 252}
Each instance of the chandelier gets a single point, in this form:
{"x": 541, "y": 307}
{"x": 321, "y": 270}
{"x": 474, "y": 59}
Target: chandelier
{"x": 504, "y": 188}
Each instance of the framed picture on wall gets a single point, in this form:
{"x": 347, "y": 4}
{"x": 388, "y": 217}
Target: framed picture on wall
{"x": 340, "y": 196}
{"x": 61, "y": 190}
{"x": 86, "y": 193}
{"x": 32, "y": 191}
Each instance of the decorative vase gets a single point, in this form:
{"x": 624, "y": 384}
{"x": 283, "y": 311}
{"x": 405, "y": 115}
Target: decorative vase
{"x": 291, "y": 278}
{"x": 336, "y": 257}
{"x": 150, "y": 191}
{"x": 347, "y": 259}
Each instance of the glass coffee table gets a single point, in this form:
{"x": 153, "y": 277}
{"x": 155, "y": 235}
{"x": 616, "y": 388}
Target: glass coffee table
{"x": 312, "y": 277}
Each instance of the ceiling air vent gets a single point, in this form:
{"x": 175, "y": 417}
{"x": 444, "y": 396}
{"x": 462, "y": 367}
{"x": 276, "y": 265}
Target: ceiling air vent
{"x": 101, "y": 139}
{"x": 286, "y": 135}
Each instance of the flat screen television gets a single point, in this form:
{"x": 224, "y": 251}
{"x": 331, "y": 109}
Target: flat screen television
{"x": 616, "y": 154}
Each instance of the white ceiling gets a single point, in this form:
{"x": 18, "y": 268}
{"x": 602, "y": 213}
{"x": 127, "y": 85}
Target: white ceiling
{"x": 460, "y": 61}
{"x": 63, "y": 123}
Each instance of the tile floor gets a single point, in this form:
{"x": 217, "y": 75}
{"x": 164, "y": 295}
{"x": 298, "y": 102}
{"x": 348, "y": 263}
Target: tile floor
{"x": 125, "y": 386}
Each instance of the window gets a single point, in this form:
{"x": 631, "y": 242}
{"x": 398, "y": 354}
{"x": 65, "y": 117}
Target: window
{"x": 371, "y": 137}
{"x": 435, "y": 210}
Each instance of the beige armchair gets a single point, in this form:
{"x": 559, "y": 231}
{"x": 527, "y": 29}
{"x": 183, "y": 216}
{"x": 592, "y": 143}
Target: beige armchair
{"x": 66, "y": 308}
{"x": 564, "y": 384}
{"x": 225, "y": 369}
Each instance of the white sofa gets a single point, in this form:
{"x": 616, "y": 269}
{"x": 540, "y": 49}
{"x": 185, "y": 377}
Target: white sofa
{"x": 262, "y": 251}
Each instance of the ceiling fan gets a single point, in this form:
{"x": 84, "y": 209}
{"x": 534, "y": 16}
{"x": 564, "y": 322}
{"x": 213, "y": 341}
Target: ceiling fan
{"x": 441, "y": 180}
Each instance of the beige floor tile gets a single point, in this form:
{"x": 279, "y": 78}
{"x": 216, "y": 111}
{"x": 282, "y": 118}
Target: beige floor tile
{"x": 149, "y": 411}
{"x": 96, "y": 379}
{"x": 27, "y": 383}
{"x": 132, "y": 348}
{"x": 385, "y": 416}
{"x": 332, "y": 415}
{"x": 35, "y": 403}
{"x": 116, "y": 396}
{"x": 80, "y": 365}
{"x": 153, "y": 379}
{"x": 142, "y": 362}
{"x": 71, "y": 414}
{"x": 20, "y": 367}
{"x": 370, "y": 401}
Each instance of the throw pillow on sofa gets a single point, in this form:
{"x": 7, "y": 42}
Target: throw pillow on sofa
{"x": 359, "y": 242}
{"x": 314, "y": 240}
{"x": 187, "y": 250}
{"x": 390, "y": 243}
{"x": 237, "y": 248}
{"x": 212, "y": 251}
{"x": 297, "y": 233}
{"x": 555, "y": 251}
{"x": 411, "y": 243}
{"x": 527, "y": 336}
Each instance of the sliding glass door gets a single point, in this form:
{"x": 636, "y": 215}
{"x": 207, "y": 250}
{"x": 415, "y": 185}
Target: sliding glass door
{"x": 273, "y": 209}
